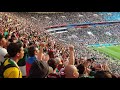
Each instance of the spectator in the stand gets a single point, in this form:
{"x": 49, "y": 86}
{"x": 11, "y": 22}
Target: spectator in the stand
{"x": 103, "y": 74}
{"x": 16, "y": 52}
{"x": 81, "y": 69}
{"x": 39, "y": 69}
{"x": 6, "y": 34}
{"x": 51, "y": 53}
{"x": 22, "y": 62}
{"x": 12, "y": 39}
{"x": 53, "y": 63}
{"x": 3, "y": 51}
{"x": 71, "y": 72}
{"x": 32, "y": 53}
{"x": 59, "y": 63}
{"x": 45, "y": 57}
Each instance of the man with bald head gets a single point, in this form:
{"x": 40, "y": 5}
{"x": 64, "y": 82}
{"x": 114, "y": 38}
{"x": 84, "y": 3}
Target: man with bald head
{"x": 71, "y": 71}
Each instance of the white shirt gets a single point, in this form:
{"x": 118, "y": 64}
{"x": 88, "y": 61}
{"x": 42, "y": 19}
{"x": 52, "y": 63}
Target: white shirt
{"x": 3, "y": 52}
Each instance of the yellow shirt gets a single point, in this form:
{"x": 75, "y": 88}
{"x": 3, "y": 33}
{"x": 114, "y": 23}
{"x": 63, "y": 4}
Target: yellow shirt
{"x": 12, "y": 72}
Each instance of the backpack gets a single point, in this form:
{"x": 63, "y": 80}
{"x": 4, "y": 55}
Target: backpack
{"x": 3, "y": 68}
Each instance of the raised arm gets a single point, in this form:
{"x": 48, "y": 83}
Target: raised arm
{"x": 39, "y": 55}
{"x": 72, "y": 57}
{"x": 106, "y": 67}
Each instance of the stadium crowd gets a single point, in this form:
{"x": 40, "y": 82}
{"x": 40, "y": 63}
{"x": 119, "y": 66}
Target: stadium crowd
{"x": 29, "y": 51}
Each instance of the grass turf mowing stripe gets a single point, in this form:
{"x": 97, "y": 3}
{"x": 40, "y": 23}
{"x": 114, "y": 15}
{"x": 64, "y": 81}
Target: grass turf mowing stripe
{"x": 116, "y": 49}
{"x": 109, "y": 52}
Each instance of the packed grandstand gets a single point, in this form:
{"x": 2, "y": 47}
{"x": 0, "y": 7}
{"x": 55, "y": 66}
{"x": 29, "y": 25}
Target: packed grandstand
{"x": 71, "y": 44}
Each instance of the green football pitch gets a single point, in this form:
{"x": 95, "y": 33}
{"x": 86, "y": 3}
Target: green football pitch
{"x": 113, "y": 51}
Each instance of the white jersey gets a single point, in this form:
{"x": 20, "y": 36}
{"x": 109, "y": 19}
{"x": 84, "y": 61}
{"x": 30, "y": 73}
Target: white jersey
{"x": 3, "y": 52}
